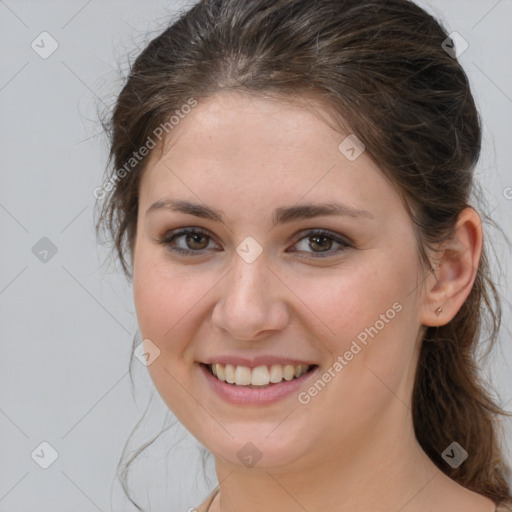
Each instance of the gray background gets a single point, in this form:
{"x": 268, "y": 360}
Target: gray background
{"x": 67, "y": 323}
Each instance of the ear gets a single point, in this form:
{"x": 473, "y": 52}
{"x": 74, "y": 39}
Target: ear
{"x": 455, "y": 269}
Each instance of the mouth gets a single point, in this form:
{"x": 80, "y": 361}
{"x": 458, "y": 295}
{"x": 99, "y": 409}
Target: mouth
{"x": 259, "y": 377}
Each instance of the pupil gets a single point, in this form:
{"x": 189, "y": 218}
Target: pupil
{"x": 322, "y": 239}
{"x": 193, "y": 239}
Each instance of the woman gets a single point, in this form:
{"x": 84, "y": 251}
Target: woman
{"x": 291, "y": 195}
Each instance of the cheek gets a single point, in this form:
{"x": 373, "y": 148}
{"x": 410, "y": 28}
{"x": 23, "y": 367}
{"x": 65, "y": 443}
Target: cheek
{"x": 376, "y": 351}
{"x": 164, "y": 304}
{"x": 150, "y": 298}
{"x": 163, "y": 301}
{"x": 353, "y": 298}
{"x": 367, "y": 304}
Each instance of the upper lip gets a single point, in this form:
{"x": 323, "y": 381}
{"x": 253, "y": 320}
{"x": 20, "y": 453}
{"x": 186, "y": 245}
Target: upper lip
{"x": 253, "y": 362}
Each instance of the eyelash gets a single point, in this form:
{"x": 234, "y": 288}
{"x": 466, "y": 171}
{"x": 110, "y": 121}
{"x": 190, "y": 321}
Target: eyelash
{"x": 168, "y": 239}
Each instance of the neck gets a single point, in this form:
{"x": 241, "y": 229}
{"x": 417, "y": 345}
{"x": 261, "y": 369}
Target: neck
{"x": 385, "y": 469}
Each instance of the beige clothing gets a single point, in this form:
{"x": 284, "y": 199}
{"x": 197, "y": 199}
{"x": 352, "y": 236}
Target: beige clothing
{"x": 204, "y": 507}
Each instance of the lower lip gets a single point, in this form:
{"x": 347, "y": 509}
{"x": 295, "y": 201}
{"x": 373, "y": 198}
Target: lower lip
{"x": 242, "y": 395}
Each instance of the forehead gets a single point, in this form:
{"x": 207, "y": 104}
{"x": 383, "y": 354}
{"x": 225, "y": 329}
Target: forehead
{"x": 238, "y": 147}
{"x": 237, "y": 124}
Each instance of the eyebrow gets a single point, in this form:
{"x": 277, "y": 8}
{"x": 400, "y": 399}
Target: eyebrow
{"x": 281, "y": 215}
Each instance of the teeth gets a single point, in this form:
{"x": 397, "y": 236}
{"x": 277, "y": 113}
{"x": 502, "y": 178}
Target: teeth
{"x": 276, "y": 373}
{"x": 259, "y": 376}
{"x": 242, "y": 376}
{"x": 221, "y": 373}
{"x": 288, "y": 372}
{"x": 229, "y": 372}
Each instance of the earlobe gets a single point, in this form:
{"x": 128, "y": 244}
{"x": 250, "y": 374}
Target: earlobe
{"x": 456, "y": 269}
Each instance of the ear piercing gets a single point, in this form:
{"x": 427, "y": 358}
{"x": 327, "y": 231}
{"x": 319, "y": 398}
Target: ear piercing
{"x": 438, "y": 311}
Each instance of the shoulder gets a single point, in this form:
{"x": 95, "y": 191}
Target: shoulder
{"x": 206, "y": 504}
{"x": 505, "y": 507}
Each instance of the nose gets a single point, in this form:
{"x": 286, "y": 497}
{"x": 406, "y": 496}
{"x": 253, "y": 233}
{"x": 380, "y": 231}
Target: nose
{"x": 250, "y": 303}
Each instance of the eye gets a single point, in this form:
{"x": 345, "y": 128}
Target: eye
{"x": 187, "y": 241}
{"x": 192, "y": 241}
{"x": 321, "y": 243}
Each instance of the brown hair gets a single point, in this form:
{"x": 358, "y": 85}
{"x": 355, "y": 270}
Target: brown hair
{"x": 380, "y": 65}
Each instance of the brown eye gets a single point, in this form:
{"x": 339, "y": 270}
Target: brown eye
{"x": 321, "y": 244}
{"x": 187, "y": 241}
{"x": 196, "y": 241}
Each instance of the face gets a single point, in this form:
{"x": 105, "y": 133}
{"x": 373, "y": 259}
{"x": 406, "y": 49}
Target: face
{"x": 264, "y": 272}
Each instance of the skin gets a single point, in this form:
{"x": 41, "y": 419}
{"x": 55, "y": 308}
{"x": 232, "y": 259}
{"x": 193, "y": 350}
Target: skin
{"x": 352, "y": 447}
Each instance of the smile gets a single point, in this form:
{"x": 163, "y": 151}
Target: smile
{"x": 258, "y": 385}
{"x": 261, "y": 376}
